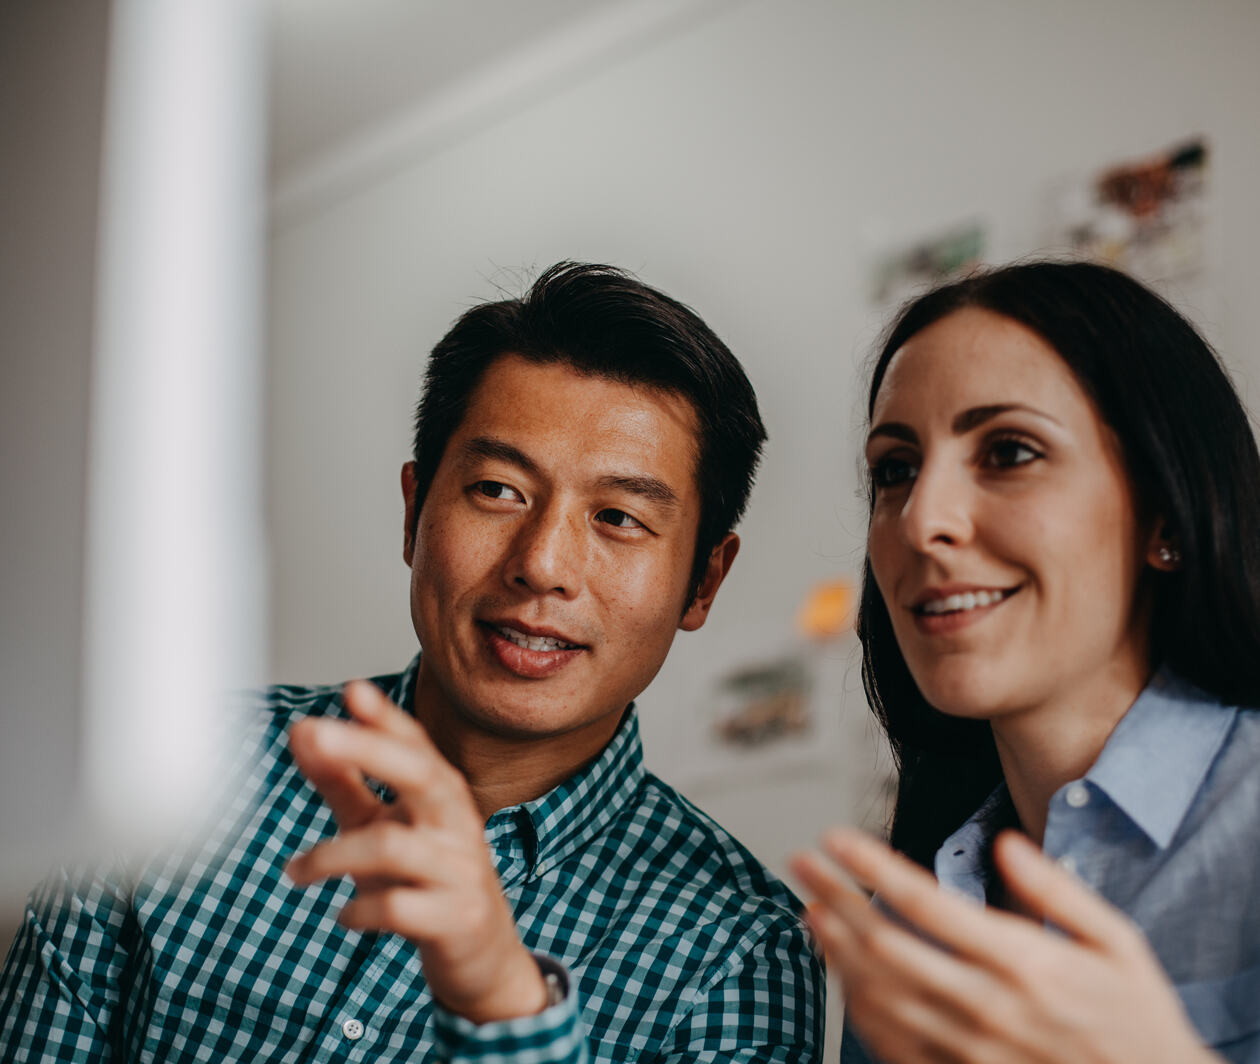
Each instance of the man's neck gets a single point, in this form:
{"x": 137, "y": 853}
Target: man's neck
{"x": 504, "y": 770}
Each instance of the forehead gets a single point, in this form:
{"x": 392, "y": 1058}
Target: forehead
{"x": 974, "y": 357}
{"x": 583, "y": 426}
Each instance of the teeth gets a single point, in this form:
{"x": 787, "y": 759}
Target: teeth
{"x": 969, "y": 600}
{"x": 532, "y": 642}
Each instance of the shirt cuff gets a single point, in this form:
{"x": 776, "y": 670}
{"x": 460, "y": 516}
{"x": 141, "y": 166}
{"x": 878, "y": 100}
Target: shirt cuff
{"x": 552, "y": 1036}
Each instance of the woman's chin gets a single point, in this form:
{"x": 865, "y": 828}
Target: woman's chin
{"x": 968, "y": 693}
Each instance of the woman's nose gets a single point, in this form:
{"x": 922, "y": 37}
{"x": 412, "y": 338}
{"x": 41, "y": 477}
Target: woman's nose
{"x": 938, "y": 509}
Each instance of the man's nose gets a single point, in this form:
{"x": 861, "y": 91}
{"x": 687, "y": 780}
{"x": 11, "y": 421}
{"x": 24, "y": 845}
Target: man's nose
{"x": 938, "y": 510}
{"x": 549, "y": 553}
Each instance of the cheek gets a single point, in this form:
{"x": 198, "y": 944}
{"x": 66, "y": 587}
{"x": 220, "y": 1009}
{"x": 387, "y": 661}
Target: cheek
{"x": 645, "y": 596}
{"x": 881, "y": 551}
{"x": 447, "y": 560}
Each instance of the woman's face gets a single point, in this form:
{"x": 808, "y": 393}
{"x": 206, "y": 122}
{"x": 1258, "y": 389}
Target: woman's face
{"x": 1004, "y": 535}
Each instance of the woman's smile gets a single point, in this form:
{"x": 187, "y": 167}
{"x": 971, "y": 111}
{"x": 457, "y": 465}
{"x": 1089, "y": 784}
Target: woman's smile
{"x": 1003, "y": 524}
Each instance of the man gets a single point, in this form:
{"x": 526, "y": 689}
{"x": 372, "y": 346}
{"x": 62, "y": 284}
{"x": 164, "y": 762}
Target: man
{"x": 482, "y": 870}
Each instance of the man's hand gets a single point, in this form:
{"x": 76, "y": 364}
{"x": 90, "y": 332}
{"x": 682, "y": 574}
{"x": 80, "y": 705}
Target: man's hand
{"x": 420, "y": 865}
{"x": 1002, "y": 988}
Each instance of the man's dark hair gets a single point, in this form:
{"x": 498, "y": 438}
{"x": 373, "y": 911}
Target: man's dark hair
{"x": 600, "y": 321}
{"x": 1191, "y": 455}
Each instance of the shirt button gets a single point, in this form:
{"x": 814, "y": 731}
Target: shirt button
{"x": 1068, "y": 864}
{"x": 352, "y": 1029}
{"x": 1077, "y": 795}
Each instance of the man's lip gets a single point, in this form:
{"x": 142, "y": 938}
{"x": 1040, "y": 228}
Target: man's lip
{"x": 534, "y": 631}
{"x": 945, "y": 590}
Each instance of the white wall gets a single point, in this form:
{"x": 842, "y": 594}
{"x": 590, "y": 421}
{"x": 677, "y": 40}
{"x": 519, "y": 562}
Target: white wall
{"x": 745, "y": 166}
{"x": 53, "y": 57}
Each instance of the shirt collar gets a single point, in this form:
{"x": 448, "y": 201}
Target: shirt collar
{"x": 1158, "y": 755}
{"x": 570, "y": 815}
{"x": 960, "y": 863}
{"x": 1151, "y": 767}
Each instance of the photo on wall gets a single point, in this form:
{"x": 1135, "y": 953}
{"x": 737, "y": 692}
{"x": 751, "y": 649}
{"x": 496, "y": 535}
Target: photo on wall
{"x": 1146, "y": 216}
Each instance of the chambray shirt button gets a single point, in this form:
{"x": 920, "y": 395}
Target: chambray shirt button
{"x": 1068, "y": 864}
{"x": 352, "y": 1029}
{"x": 1077, "y": 795}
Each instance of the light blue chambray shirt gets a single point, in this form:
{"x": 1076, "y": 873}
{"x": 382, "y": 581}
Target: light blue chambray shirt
{"x": 1166, "y": 827}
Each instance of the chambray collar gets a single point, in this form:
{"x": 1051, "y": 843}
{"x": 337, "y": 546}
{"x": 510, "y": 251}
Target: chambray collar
{"x": 567, "y": 818}
{"x": 1151, "y": 767}
{"x": 960, "y": 861}
{"x": 1158, "y": 755}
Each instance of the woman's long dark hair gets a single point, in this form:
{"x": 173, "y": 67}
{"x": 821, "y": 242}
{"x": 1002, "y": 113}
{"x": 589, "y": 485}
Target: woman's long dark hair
{"x": 1192, "y": 459}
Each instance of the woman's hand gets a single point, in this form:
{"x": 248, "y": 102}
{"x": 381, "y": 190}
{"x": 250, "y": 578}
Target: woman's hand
{"x": 981, "y": 985}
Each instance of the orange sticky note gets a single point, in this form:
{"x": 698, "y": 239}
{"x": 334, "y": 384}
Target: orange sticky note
{"x": 828, "y": 610}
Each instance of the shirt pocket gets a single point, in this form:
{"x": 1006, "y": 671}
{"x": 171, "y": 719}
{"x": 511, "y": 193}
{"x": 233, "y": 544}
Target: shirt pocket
{"x": 1225, "y": 1011}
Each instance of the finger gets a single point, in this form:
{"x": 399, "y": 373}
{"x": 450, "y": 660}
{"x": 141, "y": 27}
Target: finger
{"x": 341, "y": 784}
{"x": 416, "y": 914}
{"x": 870, "y": 949}
{"x": 983, "y": 936}
{"x": 383, "y": 851}
{"x": 1054, "y": 894}
{"x": 825, "y": 881}
{"x": 426, "y": 786}
{"x": 370, "y": 706}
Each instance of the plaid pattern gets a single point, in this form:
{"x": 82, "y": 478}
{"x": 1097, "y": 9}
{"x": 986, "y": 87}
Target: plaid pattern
{"x": 676, "y": 945}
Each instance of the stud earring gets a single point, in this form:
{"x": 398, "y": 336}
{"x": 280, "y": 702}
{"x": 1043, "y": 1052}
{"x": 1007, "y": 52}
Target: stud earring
{"x": 1169, "y": 555}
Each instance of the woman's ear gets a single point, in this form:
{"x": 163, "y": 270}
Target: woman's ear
{"x": 1163, "y": 551}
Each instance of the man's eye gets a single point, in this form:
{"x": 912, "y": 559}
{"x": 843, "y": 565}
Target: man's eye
{"x": 492, "y": 489}
{"x": 618, "y": 519}
{"x": 892, "y": 472}
{"x": 1007, "y": 453}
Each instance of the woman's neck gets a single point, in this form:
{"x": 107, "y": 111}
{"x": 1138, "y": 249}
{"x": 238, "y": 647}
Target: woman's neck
{"x": 1045, "y": 746}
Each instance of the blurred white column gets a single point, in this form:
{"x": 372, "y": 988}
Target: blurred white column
{"x": 174, "y": 593}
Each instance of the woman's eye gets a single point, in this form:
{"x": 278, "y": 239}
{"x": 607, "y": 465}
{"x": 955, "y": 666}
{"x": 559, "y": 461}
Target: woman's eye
{"x": 618, "y": 519}
{"x": 892, "y": 472}
{"x": 1005, "y": 454}
{"x": 492, "y": 489}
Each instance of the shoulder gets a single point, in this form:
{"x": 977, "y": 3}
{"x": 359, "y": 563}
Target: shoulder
{"x": 285, "y": 703}
{"x": 711, "y": 873}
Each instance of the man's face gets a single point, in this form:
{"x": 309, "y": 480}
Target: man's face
{"x": 550, "y": 563}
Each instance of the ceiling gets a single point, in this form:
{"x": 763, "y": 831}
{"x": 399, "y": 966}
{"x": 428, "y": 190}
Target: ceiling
{"x": 339, "y": 67}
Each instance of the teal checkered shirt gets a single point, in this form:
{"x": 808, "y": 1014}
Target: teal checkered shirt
{"x": 672, "y": 942}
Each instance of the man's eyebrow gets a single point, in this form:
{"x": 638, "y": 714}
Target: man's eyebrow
{"x": 642, "y": 484}
{"x": 645, "y": 486}
{"x": 964, "y": 422}
{"x": 501, "y": 450}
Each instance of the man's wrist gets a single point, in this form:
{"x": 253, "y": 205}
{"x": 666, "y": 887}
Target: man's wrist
{"x": 520, "y": 990}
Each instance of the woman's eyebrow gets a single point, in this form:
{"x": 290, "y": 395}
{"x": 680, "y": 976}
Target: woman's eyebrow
{"x": 894, "y": 429}
{"x": 978, "y": 415}
{"x": 962, "y": 423}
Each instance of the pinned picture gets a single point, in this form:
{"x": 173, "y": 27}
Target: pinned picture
{"x": 908, "y": 270}
{"x": 1145, "y": 216}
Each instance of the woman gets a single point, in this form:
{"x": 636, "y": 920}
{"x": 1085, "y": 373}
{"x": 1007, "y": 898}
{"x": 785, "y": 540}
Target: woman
{"x": 1061, "y": 632}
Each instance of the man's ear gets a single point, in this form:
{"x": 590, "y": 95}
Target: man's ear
{"x": 719, "y": 564}
{"x": 409, "y": 522}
